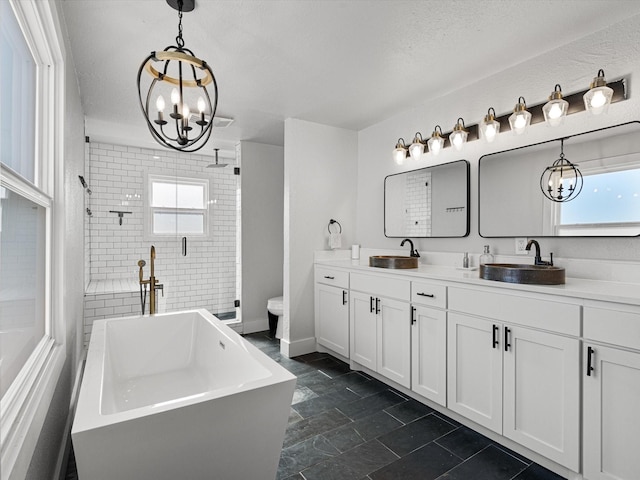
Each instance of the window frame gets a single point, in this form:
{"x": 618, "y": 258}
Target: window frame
{"x": 150, "y": 210}
{"x": 25, "y": 405}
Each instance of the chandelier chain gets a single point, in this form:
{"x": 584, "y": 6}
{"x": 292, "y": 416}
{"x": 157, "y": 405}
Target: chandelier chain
{"x": 179, "y": 39}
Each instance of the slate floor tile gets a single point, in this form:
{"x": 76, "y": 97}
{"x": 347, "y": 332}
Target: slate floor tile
{"x": 537, "y": 472}
{"x": 304, "y": 454}
{"x": 317, "y": 382}
{"x": 354, "y": 464}
{"x": 302, "y": 394}
{"x": 321, "y": 403}
{"x": 371, "y": 404}
{"x": 409, "y": 411}
{"x": 426, "y": 463}
{"x": 353, "y": 434}
{"x": 489, "y": 464}
{"x": 331, "y": 366}
{"x": 312, "y": 426}
{"x": 416, "y": 434}
{"x": 464, "y": 442}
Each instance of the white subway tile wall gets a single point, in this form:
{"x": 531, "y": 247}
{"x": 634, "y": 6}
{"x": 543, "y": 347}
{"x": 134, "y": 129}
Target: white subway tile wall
{"x": 417, "y": 211}
{"x": 205, "y": 278}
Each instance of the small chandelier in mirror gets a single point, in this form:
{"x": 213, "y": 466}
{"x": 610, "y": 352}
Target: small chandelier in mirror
{"x": 562, "y": 180}
{"x": 178, "y": 75}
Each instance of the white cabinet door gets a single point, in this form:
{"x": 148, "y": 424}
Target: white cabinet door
{"x": 542, "y": 393}
{"x": 429, "y": 354}
{"x": 394, "y": 340}
{"x": 474, "y": 383}
{"x": 363, "y": 329}
{"x": 332, "y": 318}
{"x": 611, "y": 394}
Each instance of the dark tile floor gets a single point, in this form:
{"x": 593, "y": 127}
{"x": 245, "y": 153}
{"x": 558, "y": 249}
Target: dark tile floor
{"x": 348, "y": 425}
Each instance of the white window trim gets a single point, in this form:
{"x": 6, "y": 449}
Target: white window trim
{"x": 149, "y": 234}
{"x": 24, "y": 407}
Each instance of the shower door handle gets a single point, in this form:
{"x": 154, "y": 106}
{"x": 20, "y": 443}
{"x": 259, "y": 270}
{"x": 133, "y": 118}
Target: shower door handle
{"x": 184, "y": 246}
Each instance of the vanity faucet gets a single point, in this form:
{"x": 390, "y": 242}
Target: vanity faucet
{"x": 414, "y": 252}
{"x": 538, "y": 259}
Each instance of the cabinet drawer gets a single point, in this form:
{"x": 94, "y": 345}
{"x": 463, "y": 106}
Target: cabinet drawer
{"x": 332, "y": 276}
{"x": 382, "y": 286}
{"x": 430, "y": 294}
{"x": 618, "y": 327}
{"x": 528, "y": 311}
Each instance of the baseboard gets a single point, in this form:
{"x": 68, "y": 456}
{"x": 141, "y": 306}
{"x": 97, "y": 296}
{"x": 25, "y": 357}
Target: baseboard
{"x": 297, "y": 347}
{"x": 255, "y": 325}
{"x": 60, "y": 472}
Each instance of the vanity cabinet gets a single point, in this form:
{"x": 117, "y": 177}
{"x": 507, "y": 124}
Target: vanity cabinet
{"x": 505, "y": 374}
{"x": 429, "y": 341}
{"x": 380, "y": 335}
{"x": 332, "y": 309}
{"x": 611, "y": 392}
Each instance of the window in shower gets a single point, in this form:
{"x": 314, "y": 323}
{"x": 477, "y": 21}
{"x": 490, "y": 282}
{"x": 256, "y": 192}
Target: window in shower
{"x": 177, "y": 206}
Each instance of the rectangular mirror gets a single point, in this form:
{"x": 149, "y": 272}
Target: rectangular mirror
{"x": 512, "y": 203}
{"x": 429, "y": 202}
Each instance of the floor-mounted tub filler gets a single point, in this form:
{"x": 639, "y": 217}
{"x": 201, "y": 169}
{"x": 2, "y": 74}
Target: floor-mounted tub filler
{"x": 178, "y": 395}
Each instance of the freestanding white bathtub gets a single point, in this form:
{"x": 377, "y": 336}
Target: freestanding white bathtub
{"x": 178, "y": 395}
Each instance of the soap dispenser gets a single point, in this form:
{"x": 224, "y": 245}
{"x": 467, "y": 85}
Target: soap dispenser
{"x": 486, "y": 257}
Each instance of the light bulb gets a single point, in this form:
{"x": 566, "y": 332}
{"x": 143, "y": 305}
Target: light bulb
{"x": 185, "y": 111}
{"x": 201, "y": 105}
{"x": 520, "y": 121}
{"x": 399, "y": 154}
{"x": 415, "y": 151}
{"x": 555, "y": 111}
{"x": 160, "y": 103}
{"x": 520, "y": 118}
{"x": 435, "y": 147}
{"x": 598, "y": 100}
{"x": 175, "y": 96}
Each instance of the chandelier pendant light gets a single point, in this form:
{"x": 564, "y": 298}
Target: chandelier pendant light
{"x": 562, "y": 180}
{"x": 183, "y": 78}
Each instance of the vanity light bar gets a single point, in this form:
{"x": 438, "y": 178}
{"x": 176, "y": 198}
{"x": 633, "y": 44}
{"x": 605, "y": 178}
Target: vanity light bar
{"x": 576, "y": 105}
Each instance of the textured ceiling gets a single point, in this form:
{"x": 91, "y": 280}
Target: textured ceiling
{"x": 344, "y": 63}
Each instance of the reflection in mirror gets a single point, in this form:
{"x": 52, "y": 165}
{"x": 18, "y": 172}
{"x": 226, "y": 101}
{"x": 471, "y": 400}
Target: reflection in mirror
{"x": 429, "y": 202}
{"x": 511, "y": 203}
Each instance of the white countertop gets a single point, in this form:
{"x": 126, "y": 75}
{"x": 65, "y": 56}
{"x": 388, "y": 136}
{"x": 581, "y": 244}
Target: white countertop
{"x": 627, "y": 293}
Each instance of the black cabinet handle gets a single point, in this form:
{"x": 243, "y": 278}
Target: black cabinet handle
{"x": 330, "y": 278}
{"x": 590, "y": 352}
{"x": 377, "y": 306}
{"x": 496, "y": 342}
{"x": 344, "y": 297}
{"x": 413, "y": 315}
{"x": 507, "y": 331}
{"x": 184, "y": 246}
{"x": 370, "y": 304}
{"x": 430, "y": 295}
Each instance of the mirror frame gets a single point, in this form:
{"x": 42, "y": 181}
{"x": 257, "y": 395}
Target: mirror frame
{"x": 466, "y": 206}
{"x": 483, "y": 157}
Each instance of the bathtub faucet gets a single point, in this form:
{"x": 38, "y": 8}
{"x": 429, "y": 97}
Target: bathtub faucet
{"x": 152, "y": 282}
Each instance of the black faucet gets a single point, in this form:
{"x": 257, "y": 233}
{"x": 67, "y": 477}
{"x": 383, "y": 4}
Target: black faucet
{"x": 414, "y": 252}
{"x": 538, "y": 259}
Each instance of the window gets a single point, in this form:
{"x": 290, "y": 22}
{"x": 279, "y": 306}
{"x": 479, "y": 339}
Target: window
{"x": 25, "y": 210}
{"x": 177, "y": 206}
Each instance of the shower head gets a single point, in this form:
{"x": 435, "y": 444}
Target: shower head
{"x": 217, "y": 165}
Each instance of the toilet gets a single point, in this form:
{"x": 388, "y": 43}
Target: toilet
{"x": 275, "y": 309}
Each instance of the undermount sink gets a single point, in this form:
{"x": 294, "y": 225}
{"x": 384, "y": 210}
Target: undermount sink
{"x": 529, "y": 274}
{"x": 393, "y": 261}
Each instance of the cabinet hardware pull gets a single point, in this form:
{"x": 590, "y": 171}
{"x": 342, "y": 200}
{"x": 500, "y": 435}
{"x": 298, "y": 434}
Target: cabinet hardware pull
{"x": 370, "y": 304}
{"x": 507, "y": 331}
{"x": 413, "y": 315}
{"x": 495, "y": 336}
{"x": 184, "y": 246}
{"x": 590, "y": 352}
{"x": 344, "y": 297}
{"x": 330, "y": 278}
{"x": 377, "y": 305}
{"x": 430, "y": 295}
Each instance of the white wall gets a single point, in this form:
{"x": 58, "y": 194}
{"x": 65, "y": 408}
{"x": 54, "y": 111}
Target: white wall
{"x": 614, "y": 49}
{"x": 320, "y": 176}
{"x": 262, "y": 184}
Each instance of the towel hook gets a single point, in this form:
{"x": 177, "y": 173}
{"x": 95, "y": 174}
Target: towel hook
{"x": 331, "y": 222}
